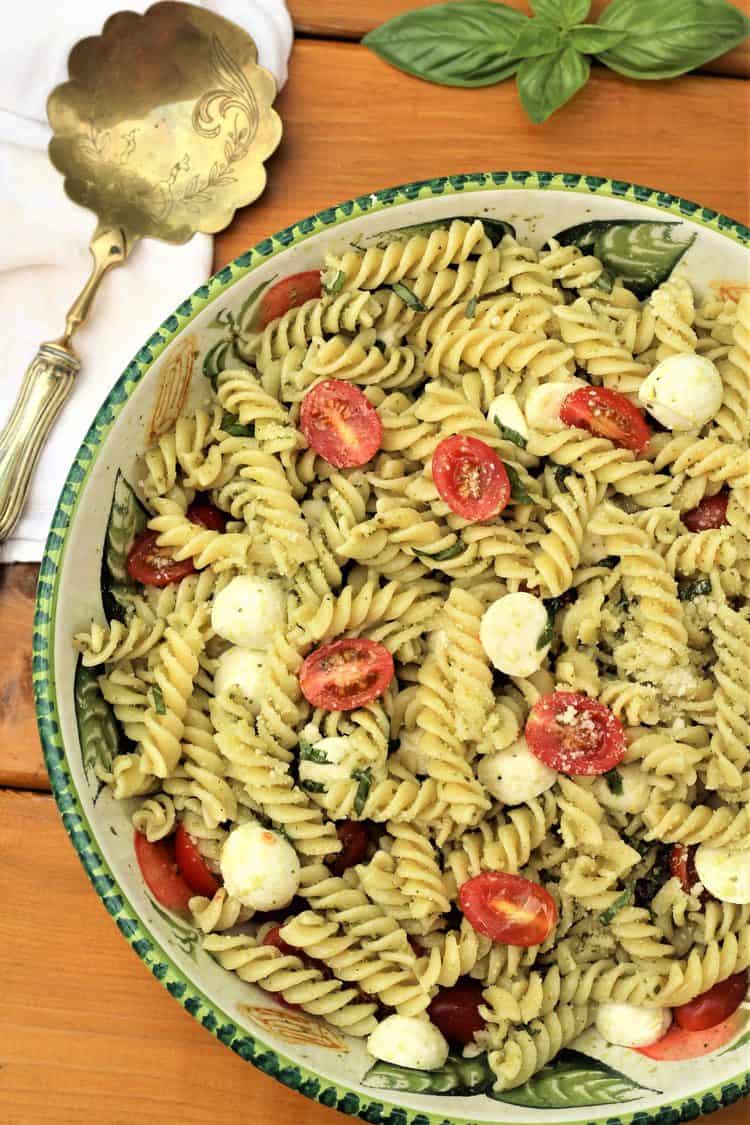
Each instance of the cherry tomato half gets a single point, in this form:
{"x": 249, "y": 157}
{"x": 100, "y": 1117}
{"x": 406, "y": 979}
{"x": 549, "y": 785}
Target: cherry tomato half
{"x": 206, "y": 515}
{"x": 153, "y": 565}
{"x": 714, "y": 1006}
{"x": 455, "y": 1011}
{"x": 341, "y": 424}
{"x": 274, "y": 938}
{"x": 607, "y": 414}
{"x": 354, "y": 843}
{"x": 710, "y": 513}
{"x": 288, "y": 294}
{"x": 508, "y": 908}
{"x": 192, "y": 865}
{"x": 470, "y": 477}
{"x": 160, "y": 874}
{"x": 346, "y": 674}
{"x": 575, "y": 734}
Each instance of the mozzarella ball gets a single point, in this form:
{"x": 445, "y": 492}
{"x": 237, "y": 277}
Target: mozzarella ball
{"x": 510, "y": 631}
{"x": 410, "y": 754}
{"x": 628, "y": 1025}
{"x": 505, "y": 410}
{"x": 725, "y": 874}
{"x": 515, "y": 775}
{"x": 626, "y": 791}
{"x": 243, "y": 670}
{"x": 683, "y": 392}
{"x": 329, "y": 760}
{"x": 543, "y": 404}
{"x": 249, "y": 611}
{"x": 259, "y": 867}
{"x": 409, "y": 1041}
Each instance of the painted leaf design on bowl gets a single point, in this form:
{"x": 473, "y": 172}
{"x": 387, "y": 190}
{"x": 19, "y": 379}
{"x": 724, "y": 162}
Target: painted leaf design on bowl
{"x": 97, "y": 730}
{"x": 186, "y": 937}
{"x": 459, "y": 1077}
{"x": 495, "y": 229}
{"x": 641, "y": 253}
{"x": 573, "y": 1080}
{"x": 127, "y": 519}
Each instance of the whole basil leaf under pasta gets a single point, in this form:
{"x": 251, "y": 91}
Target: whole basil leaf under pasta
{"x": 127, "y": 519}
{"x": 641, "y": 254}
{"x": 665, "y": 39}
{"x": 546, "y": 83}
{"x": 566, "y": 13}
{"x": 466, "y": 44}
{"x": 495, "y": 229}
{"x": 98, "y": 732}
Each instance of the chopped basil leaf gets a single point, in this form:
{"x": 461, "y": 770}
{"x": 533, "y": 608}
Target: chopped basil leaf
{"x": 364, "y": 777}
{"x": 231, "y": 424}
{"x": 614, "y": 782}
{"x": 442, "y": 556}
{"x": 408, "y": 297}
{"x": 309, "y": 753}
{"x": 313, "y": 786}
{"x": 471, "y": 308}
{"x": 561, "y": 473}
{"x": 337, "y": 284}
{"x": 159, "y": 704}
{"x": 545, "y": 637}
{"x": 610, "y": 562}
{"x": 622, "y": 900}
{"x": 511, "y": 435}
{"x": 517, "y": 489}
{"x": 696, "y": 589}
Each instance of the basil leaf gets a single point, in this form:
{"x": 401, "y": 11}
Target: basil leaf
{"x": 495, "y": 229}
{"x": 337, "y": 284}
{"x": 697, "y": 589}
{"x": 442, "y": 556}
{"x": 517, "y": 488}
{"x": 159, "y": 705}
{"x": 545, "y": 637}
{"x": 614, "y": 782}
{"x": 562, "y": 472}
{"x": 665, "y": 39}
{"x": 312, "y": 786}
{"x": 511, "y": 435}
{"x": 471, "y": 308}
{"x": 591, "y": 38}
{"x": 466, "y": 44}
{"x": 308, "y": 753}
{"x": 231, "y": 424}
{"x": 547, "y": 83}
{"x": 535, "y": 38}
{"x": 364, "y": 777}
{"x": 408, "y": 297}
{"x": 565, "y": 13}
{"x": 641, "y": 253}
{"x": 624, "y": 899}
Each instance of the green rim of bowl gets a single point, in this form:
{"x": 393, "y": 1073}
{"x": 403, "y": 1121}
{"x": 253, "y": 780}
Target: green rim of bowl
{"x": 252, "y": 1047}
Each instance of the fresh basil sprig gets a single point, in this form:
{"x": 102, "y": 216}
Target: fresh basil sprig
{"x": 480, "y": 42}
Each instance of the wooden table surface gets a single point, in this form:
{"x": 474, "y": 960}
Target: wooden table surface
{"x": 86, "y": 1035}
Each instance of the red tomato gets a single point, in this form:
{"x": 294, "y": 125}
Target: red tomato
{"x": 714, "y": 1006}
{"x": 160, "y": 874}
{"x": 711, "y": 512}
{"x": 679, "y": 1044}
{"x": 682, "y": 865}
{"x": 470, "y": 477}
{"x": 153, "y": 565}
{"x": 346, "y": 674}
{"x": 273, "y": 937}
{"x": 206, "y": 515}
{"x": 455, "y": 1011}
{"x": 607, "y": 414}
{"x": 508, "y": 908}
{"x": 340, "y": 424}
{"x": 575, "y": 734}
{"x": 354, "y": 839}
{"x": 288, "y": 294}
{"x": 192, "y": 865}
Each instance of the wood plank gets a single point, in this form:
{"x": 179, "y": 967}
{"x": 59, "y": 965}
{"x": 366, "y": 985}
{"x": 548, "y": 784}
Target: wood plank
{"x": 21, "y": 762}
{"x": 351, "y": 19}
{"x": 86, "y": 1033}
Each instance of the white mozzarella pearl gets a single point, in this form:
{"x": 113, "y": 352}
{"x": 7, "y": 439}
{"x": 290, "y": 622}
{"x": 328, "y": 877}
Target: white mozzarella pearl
{"x": 510, "y": 632}
{"x": 515, "y": 775}
{"x": 249, "y": 611}
{"x": 242, "y": 669}
{"x": 635, "y": 793}
{"x": 259, "y": 867}
{"x": 543, "y": 404}
{"x": 628, "y": 1025}
{"x": 683, "y": 392}
{"x": 330, "y": 761}
{"x": 410, "y": 1041}
{"x": 410, "y": 754}
{"x": 724, "y": 873}
{"x": 505, "y": 410}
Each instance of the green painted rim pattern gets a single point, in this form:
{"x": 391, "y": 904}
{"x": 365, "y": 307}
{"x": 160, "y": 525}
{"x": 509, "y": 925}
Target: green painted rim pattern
{"x": 219, "y": 1023}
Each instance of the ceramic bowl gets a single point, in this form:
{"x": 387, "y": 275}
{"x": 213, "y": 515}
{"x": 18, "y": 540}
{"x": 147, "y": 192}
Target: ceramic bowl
{"x": 592, "y": 1083}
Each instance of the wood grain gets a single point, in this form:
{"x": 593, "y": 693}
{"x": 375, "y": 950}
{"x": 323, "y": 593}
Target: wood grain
{"x": 83, "y": 1024}
{"x": 351, "y": 19}
{"x": 21, "y": 762}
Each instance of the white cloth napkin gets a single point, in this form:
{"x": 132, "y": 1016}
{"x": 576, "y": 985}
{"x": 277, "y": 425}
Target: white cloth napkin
{"x": 44, "y": 258}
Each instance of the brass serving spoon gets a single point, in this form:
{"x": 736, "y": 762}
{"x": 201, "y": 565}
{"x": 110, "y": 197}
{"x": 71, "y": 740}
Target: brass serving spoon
{"x": 161, "y": 131}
